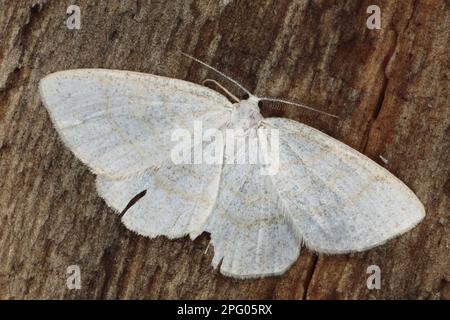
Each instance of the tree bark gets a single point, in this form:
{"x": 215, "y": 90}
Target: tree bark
{"x": 390, "y": 88}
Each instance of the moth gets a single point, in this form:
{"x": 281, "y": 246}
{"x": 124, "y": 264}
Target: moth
{"x": 324, "y": 195}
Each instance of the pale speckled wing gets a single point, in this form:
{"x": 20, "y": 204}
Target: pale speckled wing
{"x": 251, "y": 234}
{"x": 338, "y": 199}
{"x": 119, "y": 123}
{"x": 178, "y": 200}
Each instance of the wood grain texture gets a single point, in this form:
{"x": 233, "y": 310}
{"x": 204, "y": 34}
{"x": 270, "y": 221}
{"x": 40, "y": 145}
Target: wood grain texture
{"x": 390, "y": 88}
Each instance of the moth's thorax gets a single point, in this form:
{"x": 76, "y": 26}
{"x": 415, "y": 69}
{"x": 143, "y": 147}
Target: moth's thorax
{"x": 246, "y": 114}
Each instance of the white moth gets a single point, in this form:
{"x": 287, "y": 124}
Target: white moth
{"x": 325, "y": 194}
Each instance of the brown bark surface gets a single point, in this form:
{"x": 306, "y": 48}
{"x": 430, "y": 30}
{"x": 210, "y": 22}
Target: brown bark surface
{"x": 390, "y": 88}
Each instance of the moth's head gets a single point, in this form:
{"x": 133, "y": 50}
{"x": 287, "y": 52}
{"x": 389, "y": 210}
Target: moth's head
{"x": 251, "y": 100}
{"x": 246, "y": 113}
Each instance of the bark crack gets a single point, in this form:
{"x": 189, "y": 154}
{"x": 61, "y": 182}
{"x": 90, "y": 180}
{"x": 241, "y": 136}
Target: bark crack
{"x": 309, "y": 276}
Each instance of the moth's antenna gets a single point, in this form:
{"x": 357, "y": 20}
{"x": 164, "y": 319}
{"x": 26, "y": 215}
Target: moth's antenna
{"x": 299, "y": 105}
{"x": 215, "y": 70}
